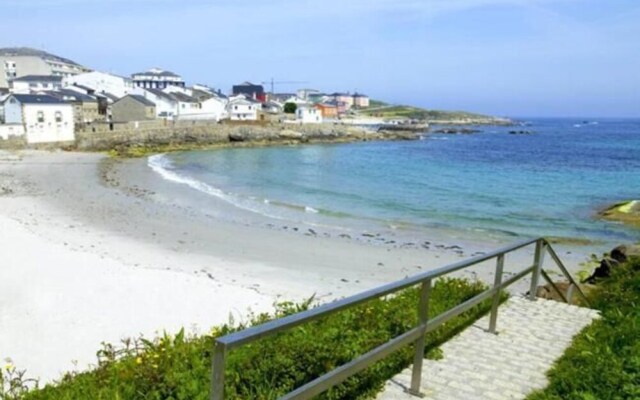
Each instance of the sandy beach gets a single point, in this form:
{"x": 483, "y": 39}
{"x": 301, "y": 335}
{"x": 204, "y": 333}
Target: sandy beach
{"x": 96, "y": 250}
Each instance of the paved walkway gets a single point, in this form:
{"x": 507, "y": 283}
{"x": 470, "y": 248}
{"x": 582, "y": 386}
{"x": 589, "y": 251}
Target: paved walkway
{"x": 509, "y": 365}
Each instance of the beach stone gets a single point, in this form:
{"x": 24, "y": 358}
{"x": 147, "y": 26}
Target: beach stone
{"x": 619, "y": 253}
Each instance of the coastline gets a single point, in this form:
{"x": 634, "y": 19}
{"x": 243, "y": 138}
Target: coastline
{"x": 118, "y": 239}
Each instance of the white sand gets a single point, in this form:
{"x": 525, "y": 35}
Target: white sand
{"x": 84, "y": 262}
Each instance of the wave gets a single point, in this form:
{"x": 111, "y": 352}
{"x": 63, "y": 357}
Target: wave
{"x": 163, "y": 166}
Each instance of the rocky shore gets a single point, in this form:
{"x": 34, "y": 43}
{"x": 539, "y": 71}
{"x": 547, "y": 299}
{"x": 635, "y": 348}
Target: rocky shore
{"x": 141, "y": 142}
{"x": 627, "y": 212}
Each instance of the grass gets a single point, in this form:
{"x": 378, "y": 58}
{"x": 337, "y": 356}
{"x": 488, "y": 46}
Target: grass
{"x": 423, "y": 114}
{"x": 178, "y": 367}
{"x": 603, "y": 362}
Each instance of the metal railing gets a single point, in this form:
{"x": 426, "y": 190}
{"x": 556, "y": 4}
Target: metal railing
{"x": 414, "y": 336}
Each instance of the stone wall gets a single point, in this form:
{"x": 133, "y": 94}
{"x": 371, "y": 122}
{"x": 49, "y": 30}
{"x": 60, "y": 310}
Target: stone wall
{"x": 203, "y": 134}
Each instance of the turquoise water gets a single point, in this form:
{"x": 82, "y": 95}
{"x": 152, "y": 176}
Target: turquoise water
{"x": 491, "y": 183}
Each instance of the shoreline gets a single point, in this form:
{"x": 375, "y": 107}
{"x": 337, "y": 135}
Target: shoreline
{"x": 143, "y": 239}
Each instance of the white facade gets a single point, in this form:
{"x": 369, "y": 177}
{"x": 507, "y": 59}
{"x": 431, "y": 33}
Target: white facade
{"x": 215, "y": 108}
{"x": 166, "y": 106}
{"x": 157, "y": 78}
{"x": 308, "y": 115}
{"x": 12, "y": 130}
{"x": 17, "y": 62}
{"x": 103, "y": 82}
{"x": 46, "y": 120}
{"x": 242, "y": 109}
{"x": 33, "y": 84}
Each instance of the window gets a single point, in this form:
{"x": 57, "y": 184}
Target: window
{"x": 58, "y": 116}
{"x": 40, "y": 116}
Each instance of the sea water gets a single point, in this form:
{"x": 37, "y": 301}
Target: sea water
{"x": 493, "y": 183}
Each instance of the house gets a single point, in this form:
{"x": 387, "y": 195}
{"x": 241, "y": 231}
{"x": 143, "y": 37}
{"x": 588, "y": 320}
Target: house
{"x": 243, "y": 108}
{"x": 328, "y": 110}
{"x": 273, "y": 107}
{"x": 35, "y": 83}
{"x": 305, "y": 93}
{"x": 133, "y": 107}
{"x": 16, "y": 62}
{"x": 360, "y": 100}
{"x": 157, "y": 78}
{"x": 215, "y": 107}
{"x": 45, "y": 118}
{"x": 250, "y": 90}
{"x": 188, "y": 106}
{"x": 166, "y": 104}
{"x": 102, "y": 82}
{"x": 345, "y": 98}
{"x": 308, "y": 115}
{"x": 85, "y": 107}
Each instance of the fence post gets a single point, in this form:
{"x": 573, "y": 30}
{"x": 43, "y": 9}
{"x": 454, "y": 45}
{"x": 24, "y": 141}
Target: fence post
{"x": 217, "y": 375}
{"x": 418, "y": 358}
{"x": 538, "y": 260}
{"x": 497, "y": 281}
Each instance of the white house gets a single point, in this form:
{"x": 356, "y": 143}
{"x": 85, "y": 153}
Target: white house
{"x": 215, "y": 107}
{"x": 102, "y": 82}
{"x": 308, "y": 115}
{"x": 166, "y": 104}
{"x": 156, "y": 78}
{"x": 45, "y": 118}
{"x": 188, "y": 107}
{"x": 35, "y": 83}
{"x": 241, "y": 108}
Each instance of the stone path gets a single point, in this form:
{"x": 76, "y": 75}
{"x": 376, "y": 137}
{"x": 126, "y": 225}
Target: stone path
{"x": 509, "y": 365}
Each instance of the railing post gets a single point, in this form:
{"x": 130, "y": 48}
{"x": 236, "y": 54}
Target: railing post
{"x": 418, "y": 358}
{"x": 217, "y": 375}
{"x": 538, "y": 260}
{"x": 497, "y": 281}
{"x": 570, "y": 293}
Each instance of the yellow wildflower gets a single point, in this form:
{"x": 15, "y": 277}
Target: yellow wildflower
{"x": 139, "y": 360}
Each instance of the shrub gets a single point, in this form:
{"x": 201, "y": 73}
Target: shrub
{"x": 179, "y": 367}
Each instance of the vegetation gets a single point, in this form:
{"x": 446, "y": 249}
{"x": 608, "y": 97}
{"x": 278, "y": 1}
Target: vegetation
{"x": 603, "y": 362}
{"x": 179, "y": 367}
{"x": 434, "y": 116}
{"x": 290, "y": 108}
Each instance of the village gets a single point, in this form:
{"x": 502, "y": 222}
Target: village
{"x": 45, "y": 98}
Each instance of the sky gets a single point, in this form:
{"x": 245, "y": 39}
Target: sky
{"x": 501, "y": 57}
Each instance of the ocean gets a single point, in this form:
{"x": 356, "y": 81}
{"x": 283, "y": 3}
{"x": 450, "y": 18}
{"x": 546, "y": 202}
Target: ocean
{"x": 490, "y": 184}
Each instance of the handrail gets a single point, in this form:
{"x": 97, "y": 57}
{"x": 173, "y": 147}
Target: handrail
{"x": 414, "y": 336}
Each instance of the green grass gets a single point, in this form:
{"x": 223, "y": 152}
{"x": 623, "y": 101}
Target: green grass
{"x": 603, "y": 362}
{"x": 421, "y": 114}
{"x": 176, "y": 367}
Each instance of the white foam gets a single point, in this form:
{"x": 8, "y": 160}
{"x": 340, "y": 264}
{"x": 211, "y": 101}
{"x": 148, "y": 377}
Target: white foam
{"x": 310, "y": 210}
{"x": 162, "y": 165}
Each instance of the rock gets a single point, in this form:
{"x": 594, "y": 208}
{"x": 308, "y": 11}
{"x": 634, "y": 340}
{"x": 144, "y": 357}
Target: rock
{"x": 289, "y": 134}
{"x": 627, "y": 212}
{"x": 619, "y": 253}
{"x": 603, "y": 271}
{"x": 237, "y": 137}
{"x": 547, "y": 292}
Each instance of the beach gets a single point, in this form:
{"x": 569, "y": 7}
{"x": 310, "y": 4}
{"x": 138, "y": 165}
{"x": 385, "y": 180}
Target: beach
{"x": 98, "y": 249}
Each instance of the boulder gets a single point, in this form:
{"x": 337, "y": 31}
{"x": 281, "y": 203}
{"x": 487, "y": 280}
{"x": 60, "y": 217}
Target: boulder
{"x": 547, "y": 292}
{"x": 289, "y": 134}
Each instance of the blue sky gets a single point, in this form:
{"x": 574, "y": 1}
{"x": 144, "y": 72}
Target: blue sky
{"x": 502, "y": 57}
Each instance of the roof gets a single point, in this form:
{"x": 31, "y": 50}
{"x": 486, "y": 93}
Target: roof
{"x": 109, "y": 96}
{"x": 185, "y": 98}
{"x": 339, "y": 94}
{"x": 161, "y": 94}
{"x": 38, "y": 78}
{"x": 157, "y": 72}
{"x": 72, "y": 95}
{"x": 28, "y": 51}
{"x": 140, "y": 99}
{"x": 359, "y": 95}
{"x": 326, "y": 105}
{"x": 36, "y": 99}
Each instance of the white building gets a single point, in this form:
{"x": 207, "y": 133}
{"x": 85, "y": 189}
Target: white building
{"x": 102, "y": 82}
{"x": 45, "y": 118}
{"x": 16, "y": 62}
{"x": 241, "y": 108}
{"x": 35, "y": 83}
{"x": 157, "y": 78}
{"x": 166, "y": 104}
{"x": 215, "y": 108}
{"x": 308, "y": 115}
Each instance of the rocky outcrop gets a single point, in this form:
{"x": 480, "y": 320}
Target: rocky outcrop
{"x": 549, "y": 293}
{"x": 608, "y": 263}
{"x": 627, "y": 212}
